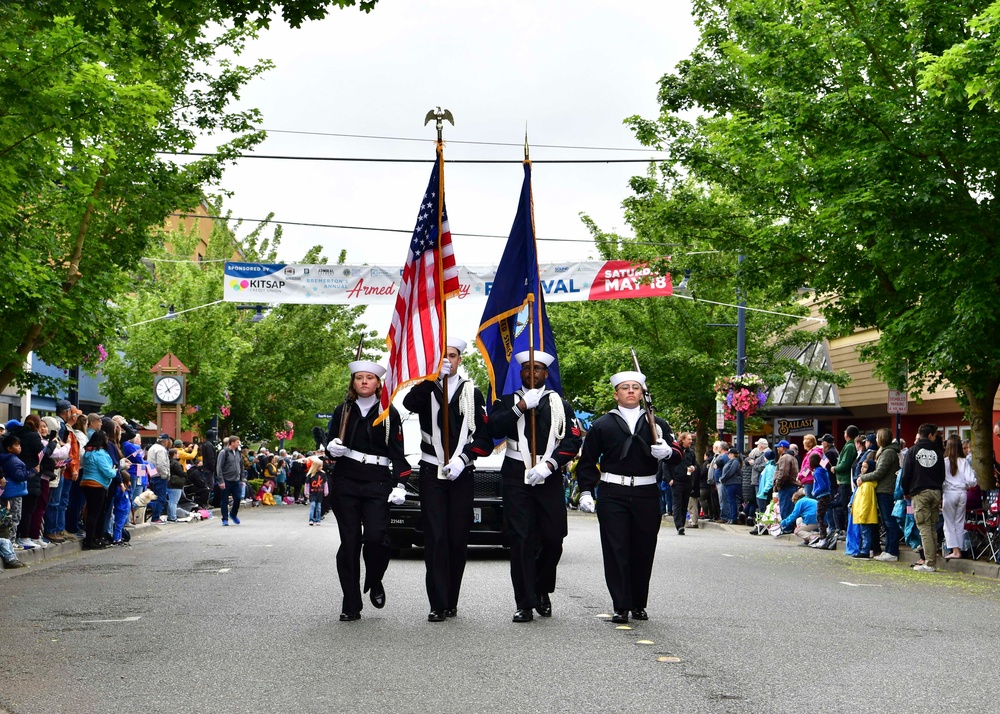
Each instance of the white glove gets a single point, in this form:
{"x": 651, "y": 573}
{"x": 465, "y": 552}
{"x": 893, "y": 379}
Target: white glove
{"x": 336, "y": 448}
{"x": 537, "y": 474}
{"x": 587, "y": 504}
{"x": 445, "y": 368}
{"x": 454, "y": 468}
{"x": 531, "y": 398}
{"x": 397, "y": 496}
{"x": 660, "y": 450}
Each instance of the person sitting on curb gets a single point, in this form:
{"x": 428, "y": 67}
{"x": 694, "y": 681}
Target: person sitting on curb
{"x": 802, "y": 520}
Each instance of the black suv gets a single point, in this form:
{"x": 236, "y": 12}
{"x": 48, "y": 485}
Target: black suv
{"x": 486, "y": 526}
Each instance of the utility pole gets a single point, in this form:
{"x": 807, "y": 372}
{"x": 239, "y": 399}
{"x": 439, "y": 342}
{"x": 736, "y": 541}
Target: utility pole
{"x": 741, "y": 350}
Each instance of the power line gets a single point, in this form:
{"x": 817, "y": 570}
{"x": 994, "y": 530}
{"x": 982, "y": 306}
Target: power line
{"x": 453, "y": 141}
{"x": 410, "y": 161}
{"x": 407, "y": 231}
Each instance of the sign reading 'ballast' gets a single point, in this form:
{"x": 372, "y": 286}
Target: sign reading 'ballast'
{"x": 374, "y": 285}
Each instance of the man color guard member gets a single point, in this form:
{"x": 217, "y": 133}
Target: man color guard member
{"x": 446, "y": 475}
{"x": 628, "y": 507}
{"x": 534, "y": 506}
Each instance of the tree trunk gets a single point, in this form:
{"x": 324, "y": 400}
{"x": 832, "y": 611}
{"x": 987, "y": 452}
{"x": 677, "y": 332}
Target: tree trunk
{"x": 980, "y": 413}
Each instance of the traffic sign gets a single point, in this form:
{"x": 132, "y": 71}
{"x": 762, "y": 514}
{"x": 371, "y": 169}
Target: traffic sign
{"x": 898, "y": 402}
{"x": 324, "y": 416}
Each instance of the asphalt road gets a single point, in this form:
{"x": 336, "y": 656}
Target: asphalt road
{"x": 244, "y": 619}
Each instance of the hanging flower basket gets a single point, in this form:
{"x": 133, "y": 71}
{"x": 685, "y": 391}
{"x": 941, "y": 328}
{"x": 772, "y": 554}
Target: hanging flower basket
{"x": 743, "y": 394}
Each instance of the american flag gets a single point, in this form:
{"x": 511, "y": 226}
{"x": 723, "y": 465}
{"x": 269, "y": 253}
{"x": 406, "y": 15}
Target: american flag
{"x": 416, "y": 337}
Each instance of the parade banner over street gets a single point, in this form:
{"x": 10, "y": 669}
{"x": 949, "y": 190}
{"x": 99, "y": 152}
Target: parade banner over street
{"x": 377, "y": 285}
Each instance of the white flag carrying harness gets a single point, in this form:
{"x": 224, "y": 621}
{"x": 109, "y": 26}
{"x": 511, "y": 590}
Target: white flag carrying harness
{"x": 557, "y": 428}
{"x": 467, "y": 408}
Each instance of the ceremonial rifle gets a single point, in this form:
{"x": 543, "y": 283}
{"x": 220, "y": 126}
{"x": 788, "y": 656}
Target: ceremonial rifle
{"x": 345, "y": 413}
{"x": 647, "y": 401}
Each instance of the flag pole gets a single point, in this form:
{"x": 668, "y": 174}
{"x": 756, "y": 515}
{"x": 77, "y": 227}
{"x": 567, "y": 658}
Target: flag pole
{"x": 445, "y": 417}
{"x": 531, "y": 319}
{"x": 440, "y": 116}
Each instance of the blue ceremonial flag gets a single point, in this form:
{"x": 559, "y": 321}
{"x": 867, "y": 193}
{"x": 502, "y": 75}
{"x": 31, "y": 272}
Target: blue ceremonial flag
{"x": 504, "y": 330}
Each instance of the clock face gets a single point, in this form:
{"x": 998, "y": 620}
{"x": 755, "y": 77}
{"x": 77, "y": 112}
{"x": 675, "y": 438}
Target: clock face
{"x": 168, "y": 390}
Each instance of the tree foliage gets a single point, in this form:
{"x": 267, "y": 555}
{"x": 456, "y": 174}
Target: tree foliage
{"x": 251, "y": 376}
{"x": 861, "y": 184}
{"x": 87, "y": 121}
{"x": 686, "y": 342}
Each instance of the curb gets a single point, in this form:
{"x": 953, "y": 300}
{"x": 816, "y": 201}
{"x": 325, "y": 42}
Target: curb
{"x": 56, "y": 551}
{"x": 907, "y": 557}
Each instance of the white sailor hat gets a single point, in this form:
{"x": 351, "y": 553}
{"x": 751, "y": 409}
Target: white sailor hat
{"x": 364, "y": 365}
{"x": 458, "y": 344}
{"x": 544, "y": 357}
{"x": 617, "y": 379}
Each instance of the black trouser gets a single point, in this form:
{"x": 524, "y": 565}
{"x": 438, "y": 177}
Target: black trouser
{"x": 842, "y": 499}
{"x": 681, "y": 491}
{"x": 629, "y": 517}
{"x": 362, "y": 512}
{"x": 710, "y": 502}
{"x": 536, "y": 525}
{"x": 95, "y": 497}
{"x": 27, "y": 509}
{"x": 446, "y": 515}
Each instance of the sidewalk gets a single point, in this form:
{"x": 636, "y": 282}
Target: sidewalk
{"x": 61, "y": 550}
{"x": 980, "y": 568}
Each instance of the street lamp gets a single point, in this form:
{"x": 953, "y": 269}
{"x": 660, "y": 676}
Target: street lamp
{"x": 258, "y": 314}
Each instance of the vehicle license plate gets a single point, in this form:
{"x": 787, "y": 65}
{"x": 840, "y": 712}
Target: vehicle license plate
{"x": 477, "y": 515}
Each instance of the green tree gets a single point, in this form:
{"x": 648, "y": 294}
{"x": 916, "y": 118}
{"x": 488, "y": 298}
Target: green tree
{"x": 87, "y": 120}
{"x": 675, "y": 342}
{"x": 862, "y": 185}
{"x": 254, "y": 376}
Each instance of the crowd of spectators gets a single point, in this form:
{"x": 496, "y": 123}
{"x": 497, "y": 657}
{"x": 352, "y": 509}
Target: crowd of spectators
{"x": 86, "y": 477}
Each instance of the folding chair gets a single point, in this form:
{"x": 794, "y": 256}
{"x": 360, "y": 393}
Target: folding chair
{"x": 983, "y": 527}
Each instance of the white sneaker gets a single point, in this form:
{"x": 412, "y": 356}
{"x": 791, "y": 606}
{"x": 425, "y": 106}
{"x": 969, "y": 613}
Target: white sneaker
{"x": 925, "y": 568}
{"x": 27, "y": 543}
{"x": 886, "y": 557}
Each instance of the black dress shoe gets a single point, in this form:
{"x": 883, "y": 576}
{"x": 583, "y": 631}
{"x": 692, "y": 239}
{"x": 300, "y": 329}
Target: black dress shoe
{"x": 640, "y": 614}
{"x": 436, "y": 616}
{"x": 377, "y": 595}
{"x": 680, "y": 531}
{"x": 523, "y": 616}
{"x": 451, "y": 612}
{"x": 350, "y": 616}
{"x": 544, "y": 605}
{"x": 620, "y": 617}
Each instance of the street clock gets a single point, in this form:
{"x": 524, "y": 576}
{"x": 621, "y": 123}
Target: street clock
{"x": 169, "y": 389}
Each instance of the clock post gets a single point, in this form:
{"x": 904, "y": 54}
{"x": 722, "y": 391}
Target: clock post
{"x": 169, "y": 393}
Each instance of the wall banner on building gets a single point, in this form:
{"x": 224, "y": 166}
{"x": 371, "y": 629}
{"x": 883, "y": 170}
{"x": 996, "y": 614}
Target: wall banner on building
{"x": 374, "y": 285}
{"x": 795, "y": 427}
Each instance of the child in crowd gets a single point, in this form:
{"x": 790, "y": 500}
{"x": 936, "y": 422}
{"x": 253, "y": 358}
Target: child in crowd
{"x": 16, "y": 473}
{"x": 820, "y": 491}
{"x": 316, "y": 489}
{"x": 6, "y": 547}
{"x": 122, "y": 510}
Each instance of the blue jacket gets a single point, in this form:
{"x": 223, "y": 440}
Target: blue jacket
{"x": 805, "y": 508}
{"x": 821, "y": 482}
{"x": 17, "y": 475}
{"x": 97, "y": 466}
{"x": 766, "y": 485}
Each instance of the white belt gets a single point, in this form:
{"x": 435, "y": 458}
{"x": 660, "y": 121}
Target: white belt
{"x": 628, "y": 480}
{"x": 512, "y": 447}
{"x": 366, "y": 458}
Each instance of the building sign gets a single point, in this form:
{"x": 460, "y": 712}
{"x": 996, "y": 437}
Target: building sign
{"x": 898, "y": 402}
{"x": 795, "y": 427}
{"x": 720, "y": 416}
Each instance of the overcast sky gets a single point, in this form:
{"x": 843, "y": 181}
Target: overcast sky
{"x": 570, "y": 70}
